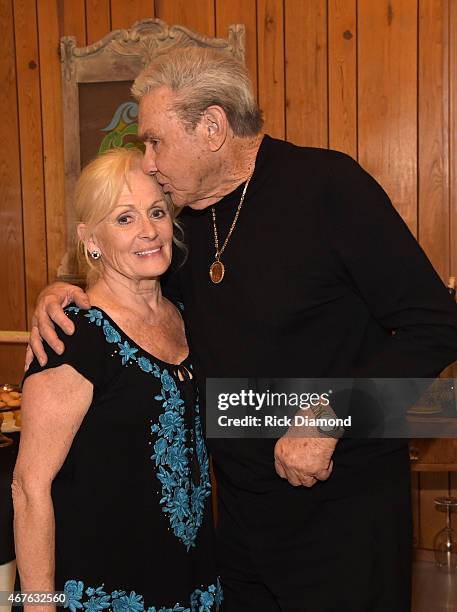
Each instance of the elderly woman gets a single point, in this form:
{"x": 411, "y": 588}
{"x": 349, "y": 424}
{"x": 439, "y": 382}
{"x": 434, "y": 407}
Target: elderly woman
{"x": 111, "y": 488}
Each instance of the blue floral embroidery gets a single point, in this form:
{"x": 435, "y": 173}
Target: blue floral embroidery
{"x": 145, "y": 364}
{"x": 94, "y": 316}
{"x": 160, "y": 448}
{"x": 128, "y": 603}
{"x": 182, "y": 499}
{"x": 97, "y": 603}
{"x": 74, "y": 309}
{"x": 111, "y": 335}
{"x": 170, "y": 423}
{"x": 127, "y": 352}
{"x": 74, "y": 592}
{"x": 118, "y": 601}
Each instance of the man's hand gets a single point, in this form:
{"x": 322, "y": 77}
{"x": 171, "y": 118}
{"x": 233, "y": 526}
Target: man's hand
{"x": 49, "y": 310}
{"x": 303, "y": 460}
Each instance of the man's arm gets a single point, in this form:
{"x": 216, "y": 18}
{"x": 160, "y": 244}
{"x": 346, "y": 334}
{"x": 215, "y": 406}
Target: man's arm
{"x": 383, "y": 263}
{"x": 49, "y": 310}
{"x": 303, "y": 455}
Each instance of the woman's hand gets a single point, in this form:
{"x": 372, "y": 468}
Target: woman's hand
{"x": 49, "y": 310}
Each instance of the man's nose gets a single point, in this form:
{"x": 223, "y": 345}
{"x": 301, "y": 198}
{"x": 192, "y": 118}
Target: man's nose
{"x": 149, "y": 160}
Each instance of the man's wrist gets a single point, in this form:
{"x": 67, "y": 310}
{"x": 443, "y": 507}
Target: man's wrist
{"x": 329, "y": 426}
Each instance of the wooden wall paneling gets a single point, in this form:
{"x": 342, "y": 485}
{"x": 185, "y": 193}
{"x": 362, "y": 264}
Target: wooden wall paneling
{"x": 387, "y": 99}
{"x": 306, "y": 72}
{"x": 415, "y": 506}
{"x": 198, "y": 15}
{"x": 31, "y": 147}
{"x": 453, "y": 492}
{"x": 73, "y": 13}
{"x": 433, "y": 164}
{"x": 432, "y": 484}
{"x": 452, "y": 39}
{"x": 229, "y": 12}
{"x": 270, "y": 59}
{"x": 12, "y": 302}
{"x": 124, "y": 13}
{"x": 98, "y": 19}
{"x": 52, "y": 124}
{"x": 342, "y": 76}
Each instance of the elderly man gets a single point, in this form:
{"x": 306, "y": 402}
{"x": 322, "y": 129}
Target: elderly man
{"x": 298, "y": 266}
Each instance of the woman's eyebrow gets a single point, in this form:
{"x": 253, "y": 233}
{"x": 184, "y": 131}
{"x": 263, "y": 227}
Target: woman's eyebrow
{"x": 123, "y": 206}
{"x": 131, "y": 206}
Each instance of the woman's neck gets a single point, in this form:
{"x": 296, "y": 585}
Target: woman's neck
{"x": 142, "y": 297}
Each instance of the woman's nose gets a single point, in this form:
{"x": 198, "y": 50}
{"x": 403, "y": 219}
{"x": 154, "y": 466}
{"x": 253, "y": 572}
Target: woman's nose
{"x": 148, "y": 228}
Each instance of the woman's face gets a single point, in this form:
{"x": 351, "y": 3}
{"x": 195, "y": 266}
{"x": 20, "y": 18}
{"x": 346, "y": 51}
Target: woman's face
{"x": 135, "y": 239}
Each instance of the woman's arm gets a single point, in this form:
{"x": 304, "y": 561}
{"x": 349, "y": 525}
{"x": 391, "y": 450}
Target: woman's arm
{"x": 54, "y": 403}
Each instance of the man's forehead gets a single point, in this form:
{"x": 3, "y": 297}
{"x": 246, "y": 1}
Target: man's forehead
{"x": 154, "y": 109}
{"x": 157, "y": 102}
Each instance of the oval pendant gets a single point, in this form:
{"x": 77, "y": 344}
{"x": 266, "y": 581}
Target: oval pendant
{"x": 216, "y": 272}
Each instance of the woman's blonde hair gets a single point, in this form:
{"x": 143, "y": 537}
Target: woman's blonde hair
{"x": 97, "y": 193}
{"x": 200, "y": 78}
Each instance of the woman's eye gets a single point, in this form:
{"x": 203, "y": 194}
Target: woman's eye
{"x": 157, "y": 213}
{"x": 123, "y": 219}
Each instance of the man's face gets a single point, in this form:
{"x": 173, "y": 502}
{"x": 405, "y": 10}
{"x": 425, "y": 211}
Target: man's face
{"x": 181, "y": 161}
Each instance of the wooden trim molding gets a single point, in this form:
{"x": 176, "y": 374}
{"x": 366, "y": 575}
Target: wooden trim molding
{"x": 14, "y": 337}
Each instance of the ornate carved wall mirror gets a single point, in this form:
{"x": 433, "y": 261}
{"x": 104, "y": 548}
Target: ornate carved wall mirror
{"x": 98, "y": 110}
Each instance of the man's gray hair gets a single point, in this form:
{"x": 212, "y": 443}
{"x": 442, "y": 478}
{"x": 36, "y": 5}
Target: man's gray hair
{"x": 201, "y": 78}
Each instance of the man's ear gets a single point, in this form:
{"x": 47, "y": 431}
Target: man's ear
{"x": 215, "y": 125}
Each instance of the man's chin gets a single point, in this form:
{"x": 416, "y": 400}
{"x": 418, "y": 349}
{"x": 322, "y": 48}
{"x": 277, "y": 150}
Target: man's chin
{"x": 180, "y": 202}
{"x": 198, "y": 204}
{"x": 176, "y": 198}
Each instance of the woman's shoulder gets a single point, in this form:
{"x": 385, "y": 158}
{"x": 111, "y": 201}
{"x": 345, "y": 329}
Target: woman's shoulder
{"x": 87, "y": 349}
{"x": 93, "y": 321}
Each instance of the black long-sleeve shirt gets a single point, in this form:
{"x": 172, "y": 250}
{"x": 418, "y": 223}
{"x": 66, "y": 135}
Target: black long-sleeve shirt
{"x": 319, "y": 271}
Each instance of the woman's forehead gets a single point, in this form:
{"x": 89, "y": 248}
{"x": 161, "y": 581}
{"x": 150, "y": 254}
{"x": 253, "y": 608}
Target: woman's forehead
{"x": 138, "y": 183}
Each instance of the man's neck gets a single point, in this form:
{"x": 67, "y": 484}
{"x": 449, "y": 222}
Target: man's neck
{"x": 235, "y": 168}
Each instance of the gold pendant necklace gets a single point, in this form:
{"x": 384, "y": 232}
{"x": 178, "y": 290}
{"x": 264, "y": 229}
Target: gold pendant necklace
{"x": 217, "y": 268}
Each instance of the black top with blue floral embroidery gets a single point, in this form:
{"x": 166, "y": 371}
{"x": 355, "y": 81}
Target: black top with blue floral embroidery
{"x": 132, "y": 499}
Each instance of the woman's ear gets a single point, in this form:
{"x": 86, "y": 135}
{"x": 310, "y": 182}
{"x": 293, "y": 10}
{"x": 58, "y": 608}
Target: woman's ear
{"x": 89, "y": 243}
{"x": 81, "y": 231}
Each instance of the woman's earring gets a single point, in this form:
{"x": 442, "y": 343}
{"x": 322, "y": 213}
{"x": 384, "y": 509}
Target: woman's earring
{"x": 95, "y": 254}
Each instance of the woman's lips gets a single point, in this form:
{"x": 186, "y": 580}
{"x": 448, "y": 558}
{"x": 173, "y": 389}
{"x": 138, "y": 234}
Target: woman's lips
{"x": 148, "y": 252}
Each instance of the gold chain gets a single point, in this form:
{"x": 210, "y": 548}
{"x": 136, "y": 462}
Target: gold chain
{"x": 232, "y": 227}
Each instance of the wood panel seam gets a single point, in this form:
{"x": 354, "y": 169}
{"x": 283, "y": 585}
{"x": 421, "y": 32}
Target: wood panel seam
{"x": 20, "y": 161}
